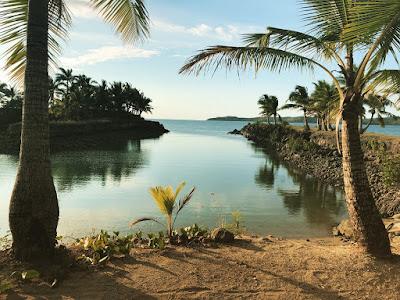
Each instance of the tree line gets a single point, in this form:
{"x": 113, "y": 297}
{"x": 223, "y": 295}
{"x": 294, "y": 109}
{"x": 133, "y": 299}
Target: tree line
{"x": 323, "y": 106}
{"x": 79, "y": 97}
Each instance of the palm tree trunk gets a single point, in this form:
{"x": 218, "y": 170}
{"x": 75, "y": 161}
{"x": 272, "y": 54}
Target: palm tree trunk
{"x": 368, "y": 227}
{"x": 274, "y": 119}
{"x": 363, "y": 130}
{"x": 306, "y": 126}
{"x": 34, "y": 208}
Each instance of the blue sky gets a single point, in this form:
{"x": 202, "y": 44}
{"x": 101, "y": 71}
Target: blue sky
{"x": 180, "y": 28}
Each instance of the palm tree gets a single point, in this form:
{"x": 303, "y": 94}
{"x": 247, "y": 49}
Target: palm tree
{"x": 31, "y": 29}
{"x": 64, "y": 80}
{"x": 166, "y": 200}
{"x": 377, "y": 106}
{"x": 269, "y": 106}
{"x": 143, "y": 105}
{"x": 339, "y": 29}
{"x": 324, "y": 103}
{"x": 300, "y": 100}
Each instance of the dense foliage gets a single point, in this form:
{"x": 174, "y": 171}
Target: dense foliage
{"x": 78, "y": 97}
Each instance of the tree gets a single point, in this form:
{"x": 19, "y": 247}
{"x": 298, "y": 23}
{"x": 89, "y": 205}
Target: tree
{"x": 269, "y": 106}
{"x": 64, "y": 80}
{"x": 324, "y": 103}
{"x": 376, "y": 106}
{"x": 30, "y": 28}
{"x": 339, "y": 29}
{"x": 300, "y": 100}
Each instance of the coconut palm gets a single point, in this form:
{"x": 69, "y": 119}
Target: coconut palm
{"x": 269, "y": 106}
{"x": 32, "y": 31}
{"x": 376, "y": 105}
{"x": 324, "y": 103}
{"x": 338, "y": 30}
{"x": 64, "y": 80}
{"x": 165, "y": 198}
{"x": 299, "y": 99}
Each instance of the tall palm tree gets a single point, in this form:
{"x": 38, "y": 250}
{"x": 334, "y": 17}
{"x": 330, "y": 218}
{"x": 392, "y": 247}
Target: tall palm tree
{"x": 339, "y": 29}
{"x": 31, "y": 29}
{"x": 269, "y": 106}
{"x": 300, "y": 100}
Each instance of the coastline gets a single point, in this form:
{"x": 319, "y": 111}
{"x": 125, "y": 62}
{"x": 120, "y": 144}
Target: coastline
{"x": 299, "y": 148}
{"x": 84, "y": 135}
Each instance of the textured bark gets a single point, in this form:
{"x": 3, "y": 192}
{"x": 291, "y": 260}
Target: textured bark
{"x": 34, "y": 206}
{"x": 306, "y": 126}
{"x": 369, "y": 229}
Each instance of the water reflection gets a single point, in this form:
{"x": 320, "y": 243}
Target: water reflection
{"x": 320, "y": 203}
{"x": 117, "y": 161}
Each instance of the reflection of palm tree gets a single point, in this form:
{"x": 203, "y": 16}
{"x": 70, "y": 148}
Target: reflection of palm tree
{"x": 77, "y": 168}
{"x": 266, "y": 174}
{"x": 319, "y": 201}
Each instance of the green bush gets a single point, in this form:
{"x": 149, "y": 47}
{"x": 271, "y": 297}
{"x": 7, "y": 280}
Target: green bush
{"x": 391, "y": 170}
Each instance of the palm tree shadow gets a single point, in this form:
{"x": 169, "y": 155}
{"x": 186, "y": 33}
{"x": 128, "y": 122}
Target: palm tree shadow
{"x": 83, "y": 285}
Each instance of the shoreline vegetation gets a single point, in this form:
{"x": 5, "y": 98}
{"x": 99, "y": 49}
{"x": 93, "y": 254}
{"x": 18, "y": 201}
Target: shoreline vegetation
{"x": 312, "y": 120}
{"x": 84, "y": 135}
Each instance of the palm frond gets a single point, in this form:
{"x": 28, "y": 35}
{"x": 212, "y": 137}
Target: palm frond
{"x": 129, "y": 17}
{"x": 185, "y": 200}
{"x": 385, "y": 81}
{"x": 327, "y": 17}
{"x": 294, "y": 41}
{"x": 145, "y": 219}
{"x": 13, "y": 33}
{"x": 244, "y": 58}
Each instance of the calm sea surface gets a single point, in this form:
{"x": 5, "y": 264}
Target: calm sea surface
{"x": 105, "y": 189}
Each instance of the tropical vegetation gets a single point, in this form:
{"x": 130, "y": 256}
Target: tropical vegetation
{"x": 299, "y": 99}
{"x": 32, "y": 32}
{"x": 166, "y": 200}
{"x": 269, "y": 107}
{"x": 339, "y": 33}
{"x": 78, "y": 97}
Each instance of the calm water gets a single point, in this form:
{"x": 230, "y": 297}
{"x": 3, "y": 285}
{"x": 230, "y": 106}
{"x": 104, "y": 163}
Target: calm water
{"x": 108, "y": 188}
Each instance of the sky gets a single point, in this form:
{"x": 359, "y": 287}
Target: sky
{"x": 179, "y": 28}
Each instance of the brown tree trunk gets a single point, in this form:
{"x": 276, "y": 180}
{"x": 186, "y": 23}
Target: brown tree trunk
{"x": 306, "y": 126}
{"x": 34, "y": 207}
{"x": 369, "y": 229}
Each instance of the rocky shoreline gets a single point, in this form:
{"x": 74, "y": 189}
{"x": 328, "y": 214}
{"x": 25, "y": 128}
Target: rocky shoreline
{"x": 82, "y": 135}
{"x": 315, "y": 154}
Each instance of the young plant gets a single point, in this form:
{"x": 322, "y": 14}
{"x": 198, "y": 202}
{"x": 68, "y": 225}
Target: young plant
{"x": 165, "y": 198}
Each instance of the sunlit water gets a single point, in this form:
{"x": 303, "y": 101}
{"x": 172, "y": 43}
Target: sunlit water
{"x": 105, "y": 189}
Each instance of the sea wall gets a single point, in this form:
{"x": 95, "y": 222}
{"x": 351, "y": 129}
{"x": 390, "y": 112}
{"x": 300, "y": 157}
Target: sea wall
{"x": 315, "y": 153}
{"x": 77, "y": 135}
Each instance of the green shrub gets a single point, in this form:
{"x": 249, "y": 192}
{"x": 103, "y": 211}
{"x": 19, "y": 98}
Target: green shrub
{"x": 101, "y": 247}
{"x": 391, "y": 170}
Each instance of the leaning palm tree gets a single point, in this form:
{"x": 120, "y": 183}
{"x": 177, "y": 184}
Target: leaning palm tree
{"x": 376, "y": 105}
{"x": 32, "y": 30}
{"x": 299, "y": 99}
{"x": 338, "y": 30}
{"x": 269, "y": 107}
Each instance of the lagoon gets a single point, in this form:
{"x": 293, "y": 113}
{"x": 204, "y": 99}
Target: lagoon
{"x": 108, "y": 187}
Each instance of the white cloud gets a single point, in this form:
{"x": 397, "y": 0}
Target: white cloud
{"x": 107, "y": 53}
{"x": 225, "y": 33}
{"x": 81, "y": 9}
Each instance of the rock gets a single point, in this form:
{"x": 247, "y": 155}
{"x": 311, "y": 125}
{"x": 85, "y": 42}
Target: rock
{"x": 345, "y": 229}
{"x": 235, "y": 131}
{"x": 222, "y": 235}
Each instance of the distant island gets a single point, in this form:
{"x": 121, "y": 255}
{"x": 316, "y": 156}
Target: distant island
{"x": 388, "y": 121}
